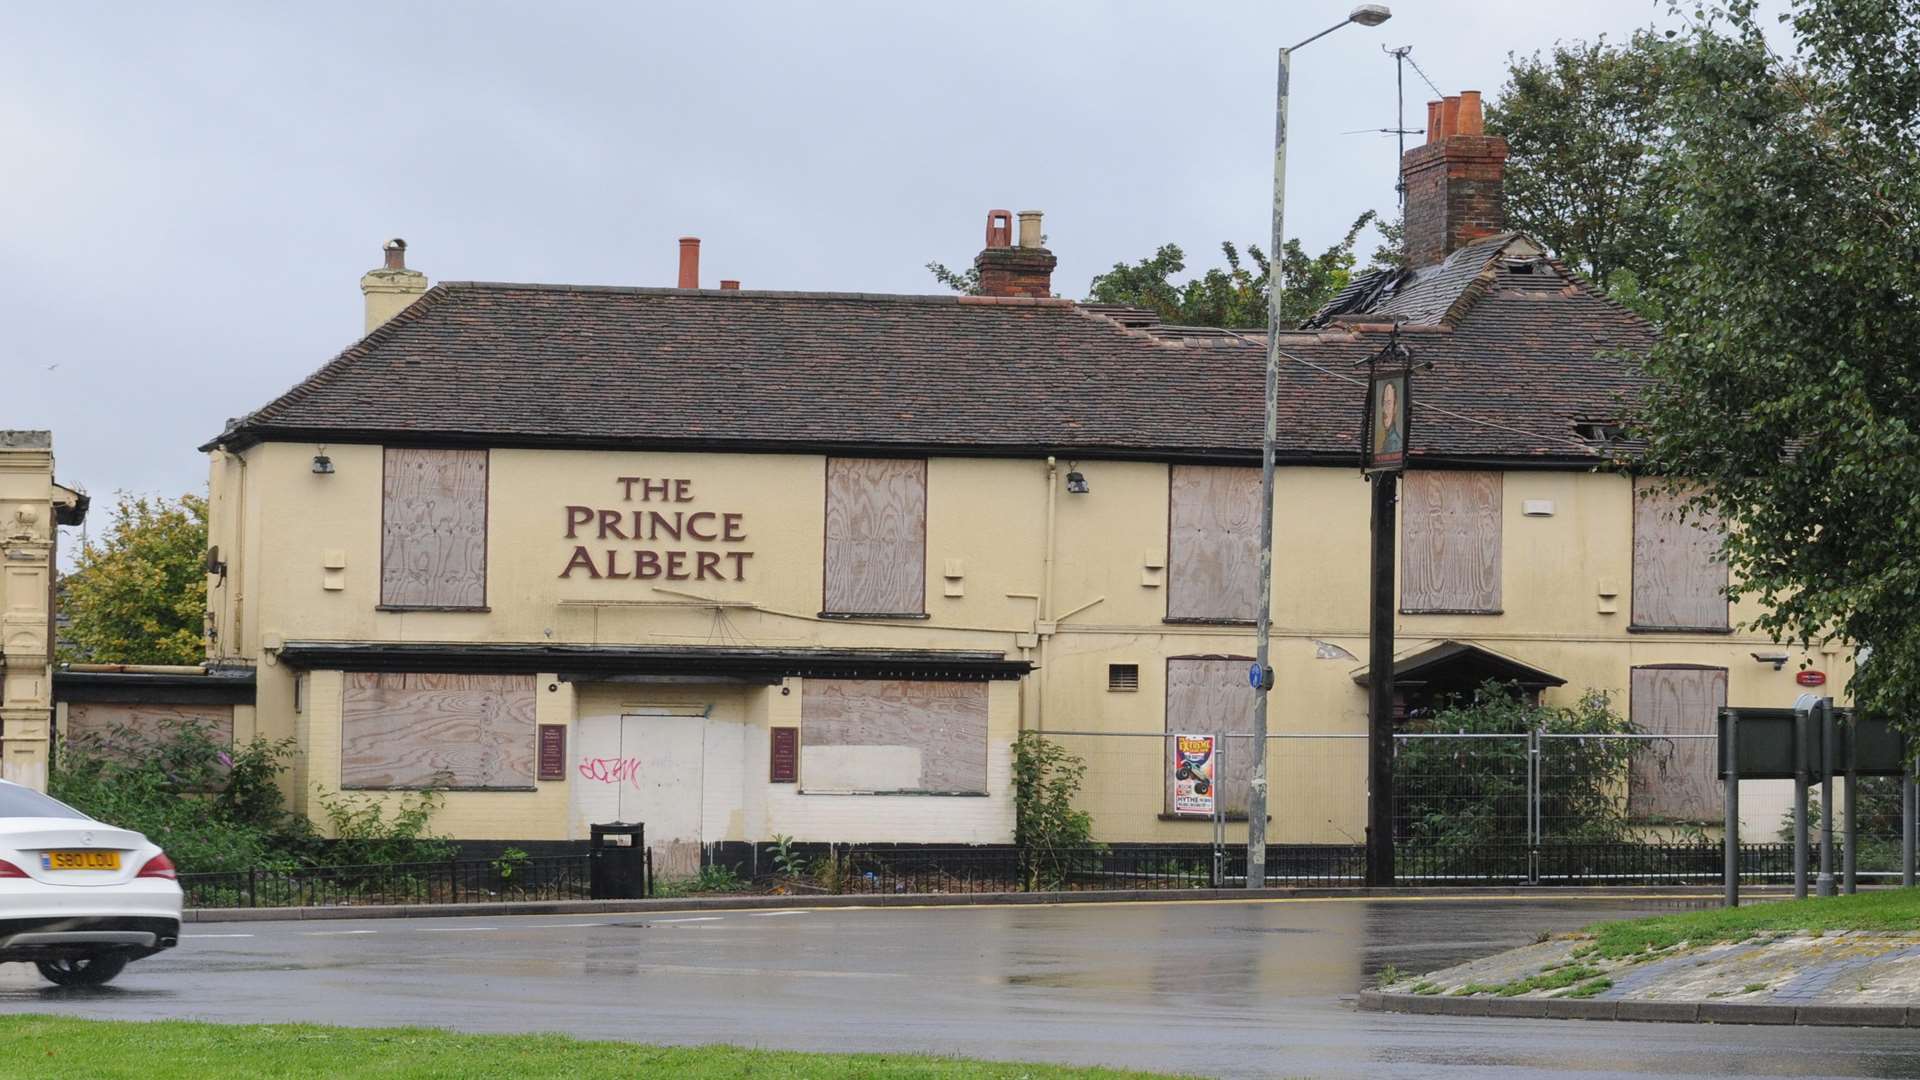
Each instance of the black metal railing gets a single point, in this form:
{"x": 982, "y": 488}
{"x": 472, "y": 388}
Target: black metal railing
{"x": 453, "y": 881}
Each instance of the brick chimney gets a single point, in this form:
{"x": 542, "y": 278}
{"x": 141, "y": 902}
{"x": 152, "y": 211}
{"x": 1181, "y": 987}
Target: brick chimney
{"x": 1453, "y": 182}
{"x": 689, "y": 262}
{"x": 391, "y": 287}
{"x": 1009, "y": 270}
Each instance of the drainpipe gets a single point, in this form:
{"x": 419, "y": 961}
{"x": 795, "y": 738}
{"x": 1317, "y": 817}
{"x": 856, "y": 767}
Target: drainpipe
{"x": 1043, "y": 613}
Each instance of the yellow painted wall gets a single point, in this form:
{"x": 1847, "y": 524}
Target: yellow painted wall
{"x": 990, "y": 516}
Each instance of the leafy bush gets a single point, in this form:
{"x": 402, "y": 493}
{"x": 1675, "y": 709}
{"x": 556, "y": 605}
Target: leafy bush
{"x": 1047, "y": 828}
{"x": 1467, "y": 793}
{"x": 363, "y": 832}
{"x": 211, "y": 808}
{"x": 215, "y": 809}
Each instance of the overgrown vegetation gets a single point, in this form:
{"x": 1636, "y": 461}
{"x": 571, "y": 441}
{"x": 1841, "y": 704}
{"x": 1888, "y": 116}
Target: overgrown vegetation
{"x": 710, "y": 879}
{"x": 1877, "y": 828}
{"x": 1469, "y": 794}
{"x": 215, "y": 808}
{"x": 1047, "y": 828}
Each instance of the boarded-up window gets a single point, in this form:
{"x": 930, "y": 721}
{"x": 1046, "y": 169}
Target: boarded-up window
{"x": 875, "y": 735}
{"x": 452, "y": 731}
{"x": 1213, "y": 543}
{"x": 876, "y": 536}
{"x": 1679, "y": 571}
{"x": 1450, "y": 542}
{"x": 1210, "y": 697}
{"x": 433, "y": 545}
{"x": 121, "y": 730}
{"x": 1677, "y": 780}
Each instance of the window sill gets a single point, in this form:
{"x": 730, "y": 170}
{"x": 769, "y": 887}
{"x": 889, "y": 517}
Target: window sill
{"x": 1183, "y": 620}
{"x": 482, "y": 610}
{"x": 921, "y": 794}
{"x": 873, "y": 615}
{"x": 1451, "y": 611}
{"x": 528, "y": 790}
{"x": 1638, "y": 629}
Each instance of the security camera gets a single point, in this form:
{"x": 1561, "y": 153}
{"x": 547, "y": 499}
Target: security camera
{"x": 1777, "y": 659}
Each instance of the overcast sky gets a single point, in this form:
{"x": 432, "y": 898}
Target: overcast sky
{"x": 189, "y": 193}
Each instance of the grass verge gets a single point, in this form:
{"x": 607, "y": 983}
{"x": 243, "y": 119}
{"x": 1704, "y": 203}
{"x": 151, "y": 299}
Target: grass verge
{"x": 44, "y": 1046}
{"x": 1891, "y": 909}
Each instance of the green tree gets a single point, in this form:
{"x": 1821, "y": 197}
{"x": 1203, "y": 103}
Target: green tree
{"x": 1234, "y": 297}
{"x": 138, "y": 595}
{"x": 1788, "y": 375}
{"x": 1584, "y": 124}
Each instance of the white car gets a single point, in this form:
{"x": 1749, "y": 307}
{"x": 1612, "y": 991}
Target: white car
{"x": 80, "y": 899}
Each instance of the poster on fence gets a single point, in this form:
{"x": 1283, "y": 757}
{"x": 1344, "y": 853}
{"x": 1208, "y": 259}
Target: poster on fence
{"x": 1193, "y": 774}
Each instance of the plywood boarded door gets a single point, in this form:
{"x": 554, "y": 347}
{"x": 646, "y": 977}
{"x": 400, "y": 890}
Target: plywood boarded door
{"x": 1677, "y": 781}
{"x": 1209, "y": 696}
{"x": 649, "y": 766}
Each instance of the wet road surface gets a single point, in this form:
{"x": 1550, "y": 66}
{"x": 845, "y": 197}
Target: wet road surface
{"x": 1220, "y": 989}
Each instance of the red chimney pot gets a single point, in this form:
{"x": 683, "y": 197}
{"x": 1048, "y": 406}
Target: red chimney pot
{"x": 999, "y": 228}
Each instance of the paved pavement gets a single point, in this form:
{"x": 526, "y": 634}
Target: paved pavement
{"x": 1220, "y": 989}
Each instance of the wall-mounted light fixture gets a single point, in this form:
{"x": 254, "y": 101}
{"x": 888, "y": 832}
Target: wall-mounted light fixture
{"x": 322, "y": 464}
{"x": 1777, "y": 659}
{"x": 1076, "y": 480}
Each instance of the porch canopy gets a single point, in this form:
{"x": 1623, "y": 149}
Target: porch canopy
{"x": 1440, "y": 669}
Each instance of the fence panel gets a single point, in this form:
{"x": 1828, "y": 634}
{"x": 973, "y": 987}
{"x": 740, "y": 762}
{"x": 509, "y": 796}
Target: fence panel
{"x": 556, "y": 877}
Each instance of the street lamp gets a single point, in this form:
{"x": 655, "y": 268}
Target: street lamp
{"x": 1365, "y": 15}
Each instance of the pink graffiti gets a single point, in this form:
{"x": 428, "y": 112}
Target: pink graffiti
{"x": 608, "y": 770}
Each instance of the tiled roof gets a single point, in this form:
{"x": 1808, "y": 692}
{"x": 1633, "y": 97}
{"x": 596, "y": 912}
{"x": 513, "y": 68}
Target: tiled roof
{"x": 541, "y": 365}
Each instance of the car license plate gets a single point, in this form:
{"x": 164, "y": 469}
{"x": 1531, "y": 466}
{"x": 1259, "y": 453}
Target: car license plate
{"x": 80, "y": 860}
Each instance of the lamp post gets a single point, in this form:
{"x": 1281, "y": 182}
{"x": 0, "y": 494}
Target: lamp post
{"x": 1365, "y": 15}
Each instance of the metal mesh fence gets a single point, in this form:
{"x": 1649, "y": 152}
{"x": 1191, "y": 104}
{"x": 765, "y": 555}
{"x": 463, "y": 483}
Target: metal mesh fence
{"x": 1470, "y": 808}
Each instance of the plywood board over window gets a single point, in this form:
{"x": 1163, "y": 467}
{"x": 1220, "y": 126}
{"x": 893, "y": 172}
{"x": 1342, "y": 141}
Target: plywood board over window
{"x": 1450, "y": 542}
{"x": 876, "y": 544}
{"x": 1677, "y": 780}
{"x": 878, "y": 735}
{"x": 1213, "y": 543}
{"x": 410, "y": 731}
{"x": 433, "y": 544}
{"x": 116, "y": 729}
{"x": 1679, "y": 568}
{"x": 1209, "y": 696}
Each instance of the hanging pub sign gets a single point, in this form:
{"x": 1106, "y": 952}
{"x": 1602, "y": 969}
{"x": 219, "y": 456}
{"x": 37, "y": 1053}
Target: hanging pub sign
{"x": 1193, "y": 774}
{"x": 1384, "y": 431}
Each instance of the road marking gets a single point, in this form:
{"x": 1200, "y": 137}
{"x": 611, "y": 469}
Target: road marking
{"x": 697, "y": 918}
{"x": 557, "y": 925}
{"x": 454, "y": 929}
{"x": 771, "y": 914}
{"x": 334, "y": 933}
{"x": 216, "y": 935}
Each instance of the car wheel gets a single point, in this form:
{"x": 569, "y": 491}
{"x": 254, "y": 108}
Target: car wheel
{"x": 83, "y": 971}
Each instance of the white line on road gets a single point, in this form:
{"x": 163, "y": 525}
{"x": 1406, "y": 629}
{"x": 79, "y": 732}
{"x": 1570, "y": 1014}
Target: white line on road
{"x": 455, "y": 929}
{"x": 215, "y": 935}
{"x": 334, "y": 933}
{"x": 771, "y": 914}
{"x": 558, "y": 925}
{"x": 696, "y": 918}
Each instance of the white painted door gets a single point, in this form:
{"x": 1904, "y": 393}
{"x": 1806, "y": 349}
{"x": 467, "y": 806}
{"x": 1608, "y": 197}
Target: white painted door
{"x": 647, "y": 766}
